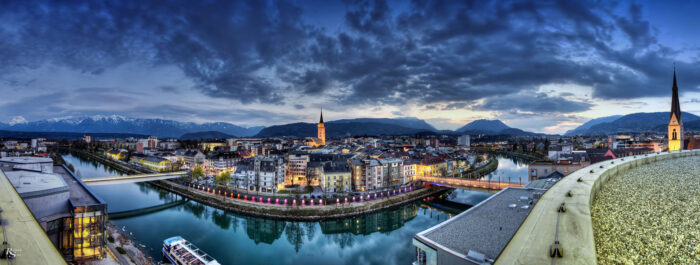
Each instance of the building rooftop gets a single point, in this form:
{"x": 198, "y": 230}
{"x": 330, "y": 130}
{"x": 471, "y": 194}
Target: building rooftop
{"x": 485, "y": 228}
{"x": 31, "y": 184}
{"x": 26, "y": 160}
{"x": 80, "y": 194}
{"x": 22, "y": 230}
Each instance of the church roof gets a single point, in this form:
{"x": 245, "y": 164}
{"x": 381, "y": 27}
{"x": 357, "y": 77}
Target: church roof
{"x": 321, "y": 121}
{"x": 675, "y": 104}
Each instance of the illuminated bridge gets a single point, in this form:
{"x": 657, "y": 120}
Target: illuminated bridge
{"x": 469, "y": 184}
{"x": 133, "y": 178}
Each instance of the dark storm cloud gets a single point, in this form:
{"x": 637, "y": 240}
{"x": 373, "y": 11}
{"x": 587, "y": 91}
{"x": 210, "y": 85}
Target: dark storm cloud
{"x": 247, "y": 116}
{"x": 170, "y": 89}
{"x": 537, "y": 103}
{"x": 456, "y": 105}
{"x": 428, "y": 52}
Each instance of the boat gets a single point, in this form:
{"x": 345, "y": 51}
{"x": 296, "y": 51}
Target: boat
{"x": 179, "y": 251}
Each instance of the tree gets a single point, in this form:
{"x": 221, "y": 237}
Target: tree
{"x": 197, "y": 172}
{"x": 223, "y": 178}
{"x": 443, "y": 172}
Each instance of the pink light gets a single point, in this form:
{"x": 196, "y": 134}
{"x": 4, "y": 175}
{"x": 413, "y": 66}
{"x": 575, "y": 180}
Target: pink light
{"x": 260, "y": 199}
{"x": 312, "y": 202}
{"x": 285, "y": 201}
{"x": 277, "y": 201}
{"x": 294, "y": 202}
{"x": 320, "y": 202}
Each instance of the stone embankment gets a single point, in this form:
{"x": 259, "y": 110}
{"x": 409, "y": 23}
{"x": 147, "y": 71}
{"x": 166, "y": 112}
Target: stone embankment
{"x": 297, "y": 213}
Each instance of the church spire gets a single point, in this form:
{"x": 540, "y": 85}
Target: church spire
{"x": 675, "y": 104}
{"x": 321, "y": 121}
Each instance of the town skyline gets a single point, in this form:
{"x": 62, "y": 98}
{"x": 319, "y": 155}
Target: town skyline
{"x": 354, "y": 60}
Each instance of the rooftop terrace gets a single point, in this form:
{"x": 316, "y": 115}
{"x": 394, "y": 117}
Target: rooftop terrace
{"x": 485, "y": 228}
{"x": 22, "y": 231}
{"x": 574, "y": 230}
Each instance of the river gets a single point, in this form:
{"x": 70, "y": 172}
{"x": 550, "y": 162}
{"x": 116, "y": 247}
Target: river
{"x": 383, "y": 237}
{"x": 512, "y": 170}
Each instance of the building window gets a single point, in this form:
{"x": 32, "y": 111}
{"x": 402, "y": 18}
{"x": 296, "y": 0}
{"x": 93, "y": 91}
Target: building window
{"x": 675, "y": 137}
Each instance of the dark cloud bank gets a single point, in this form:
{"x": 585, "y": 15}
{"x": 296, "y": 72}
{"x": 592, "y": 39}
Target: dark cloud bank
{"x": 428, "y": 52}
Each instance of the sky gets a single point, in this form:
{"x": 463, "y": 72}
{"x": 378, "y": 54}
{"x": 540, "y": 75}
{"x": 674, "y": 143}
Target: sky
{"x": 541, "y": 66}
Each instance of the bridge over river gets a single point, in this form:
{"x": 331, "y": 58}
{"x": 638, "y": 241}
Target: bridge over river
{"x": 146, "y": 210}
{"x": 470, "y": 184}
{"x": 133, "y": 178}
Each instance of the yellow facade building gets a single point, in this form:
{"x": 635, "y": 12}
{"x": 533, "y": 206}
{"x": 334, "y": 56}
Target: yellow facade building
{"x": 157, "y": 164}
{"x": 336, "y": 178}
{"x": 116, "y": 154}
{"x": 321, "y": 131}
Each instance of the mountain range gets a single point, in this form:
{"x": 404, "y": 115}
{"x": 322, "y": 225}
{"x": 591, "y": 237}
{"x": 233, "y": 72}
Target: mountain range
{"x": 115, "y": 124}
{"x": 119, "y": 124}
{"x": 654, "y": 122}
{"x": 397, "y": 126}
{"x": 219, "y": 130}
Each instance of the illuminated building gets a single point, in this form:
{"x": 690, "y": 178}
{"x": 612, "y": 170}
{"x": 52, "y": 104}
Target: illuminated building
{"x": 296, "y": 169}
{"x": 675, "y": 123}
{"x": 156, "y": 163}
{"x": 336, "y": 177}
{"x": 72, "y": 216}
{"x": 321, "y": 131}
{"x": 211, "y": 145}
{"x": 116, "y": 154}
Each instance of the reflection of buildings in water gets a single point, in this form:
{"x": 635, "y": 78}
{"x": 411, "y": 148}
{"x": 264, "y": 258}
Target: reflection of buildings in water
{"x": 221, "y": 219}
{"x": 264, "y": 230}
{"x": 384, "y": 221}
{"x": 196, "y": 209}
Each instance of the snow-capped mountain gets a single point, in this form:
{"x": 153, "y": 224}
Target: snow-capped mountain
{"x": 121, "y": 124}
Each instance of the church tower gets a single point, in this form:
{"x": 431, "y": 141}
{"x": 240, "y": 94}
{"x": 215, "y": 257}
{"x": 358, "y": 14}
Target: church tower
{"x": 321, "y": 131}
{"x": 675, "y": 124}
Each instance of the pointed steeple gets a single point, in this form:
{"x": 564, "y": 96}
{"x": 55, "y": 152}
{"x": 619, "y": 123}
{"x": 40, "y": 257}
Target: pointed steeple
{"x": 675, "y": 104}
{"x": 321, "y": 121}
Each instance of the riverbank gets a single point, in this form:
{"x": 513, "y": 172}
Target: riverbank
{"x": 297, "y": 213}
{"x": 288, "y": 212}
{"x": 529, "y": 157}
{"x": 484, "y": 170}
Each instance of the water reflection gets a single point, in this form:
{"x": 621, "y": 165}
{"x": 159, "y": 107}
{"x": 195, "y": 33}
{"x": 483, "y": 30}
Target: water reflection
{"x": 383, "y": 237}
{"x": 383, "y": 221}
{"x": 510, "y": 170}
{"x": 264, "y": 230}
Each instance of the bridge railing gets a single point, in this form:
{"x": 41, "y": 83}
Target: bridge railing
{"x": 475, "y": 183}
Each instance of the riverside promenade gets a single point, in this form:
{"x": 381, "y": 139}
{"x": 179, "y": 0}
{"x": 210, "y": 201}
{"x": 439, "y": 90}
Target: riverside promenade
{"x": 298, "y": 209}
